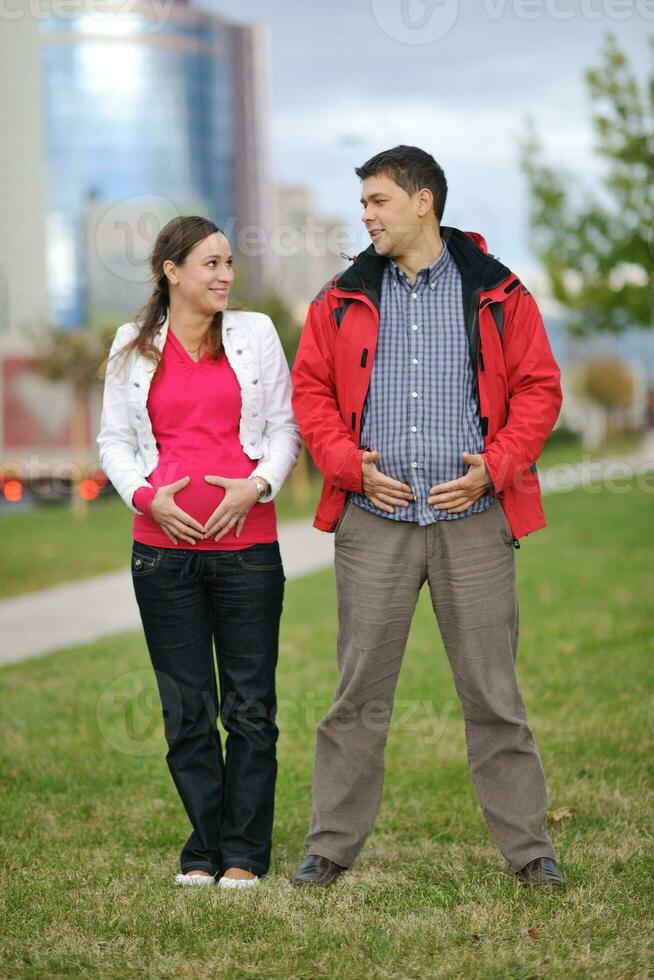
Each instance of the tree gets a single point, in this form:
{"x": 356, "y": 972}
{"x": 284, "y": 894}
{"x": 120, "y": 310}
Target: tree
{"x": 271, "y": 303}
{"x": 597, "y": 245}
{"x": 289, "y": 330}
{"x": 75, "y": 358}
{"x": 610, "y": 384}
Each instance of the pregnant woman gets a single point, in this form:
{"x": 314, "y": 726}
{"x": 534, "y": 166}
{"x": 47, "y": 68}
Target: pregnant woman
{"x": 197, "y": 437}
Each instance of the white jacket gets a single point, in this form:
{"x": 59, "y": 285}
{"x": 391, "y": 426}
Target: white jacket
{"x": 268, "y": 432}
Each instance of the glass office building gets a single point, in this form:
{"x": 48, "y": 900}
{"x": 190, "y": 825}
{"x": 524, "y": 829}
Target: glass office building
{"x": 143, "y": 113}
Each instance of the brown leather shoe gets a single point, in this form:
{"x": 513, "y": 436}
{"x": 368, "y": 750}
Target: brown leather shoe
{"x": 542, "y": 872}
{"x": 317, "y": 870}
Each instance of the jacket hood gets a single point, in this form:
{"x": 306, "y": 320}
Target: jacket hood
{"x": 478, "y": 268}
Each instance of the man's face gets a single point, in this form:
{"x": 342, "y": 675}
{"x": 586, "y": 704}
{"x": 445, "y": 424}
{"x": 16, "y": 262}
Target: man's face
{"x": 392, "y": 218}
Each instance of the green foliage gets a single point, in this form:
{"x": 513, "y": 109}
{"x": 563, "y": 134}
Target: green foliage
{"x": 75, "y": 356}
{"x": 271, "y": 303}
{"x": 597, "y": 245}
{"x": 609, "y": 382}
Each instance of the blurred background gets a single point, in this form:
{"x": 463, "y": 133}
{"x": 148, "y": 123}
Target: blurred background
{"x": 116, "y": 116}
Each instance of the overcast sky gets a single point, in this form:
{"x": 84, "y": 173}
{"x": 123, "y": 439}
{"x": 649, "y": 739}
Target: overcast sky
{"x": 352, "y": 77}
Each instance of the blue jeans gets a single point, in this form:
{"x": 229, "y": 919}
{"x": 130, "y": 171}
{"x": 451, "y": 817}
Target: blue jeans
{"x": 188, "y": 601}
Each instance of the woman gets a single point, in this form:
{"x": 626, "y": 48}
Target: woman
{"x": 197, "y": 436}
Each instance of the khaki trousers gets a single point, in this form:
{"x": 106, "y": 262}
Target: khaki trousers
{"x": 381, "y": 566}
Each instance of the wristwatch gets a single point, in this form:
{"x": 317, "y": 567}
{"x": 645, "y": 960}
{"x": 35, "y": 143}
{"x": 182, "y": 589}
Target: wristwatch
{"x": 262, "y": 490}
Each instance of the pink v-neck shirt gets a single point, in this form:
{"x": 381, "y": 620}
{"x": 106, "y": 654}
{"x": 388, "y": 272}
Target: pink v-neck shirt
{"x": 195, "y": 409}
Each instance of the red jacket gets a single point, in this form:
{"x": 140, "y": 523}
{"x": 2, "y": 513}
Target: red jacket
{"x": 518, "y": 381}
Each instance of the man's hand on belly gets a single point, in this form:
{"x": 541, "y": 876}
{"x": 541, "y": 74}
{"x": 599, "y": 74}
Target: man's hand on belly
{"x": 458, "y": 495}
{"x": 381, "y": 490}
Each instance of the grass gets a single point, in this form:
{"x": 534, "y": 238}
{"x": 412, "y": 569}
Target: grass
{"x": 49, "y": 545}
{"x": 92, "y": 824}
{"x": 559, "y": 451}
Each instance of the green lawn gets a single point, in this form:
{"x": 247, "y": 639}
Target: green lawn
{"x": 92, "y": 824}
{"x": 49, "y": 545}
{"x": 558, "y": 451}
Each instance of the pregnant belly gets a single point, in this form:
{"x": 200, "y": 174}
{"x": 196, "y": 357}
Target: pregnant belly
{"x": 198, "y": 498}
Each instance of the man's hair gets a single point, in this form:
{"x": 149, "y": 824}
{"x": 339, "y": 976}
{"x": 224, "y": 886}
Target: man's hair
{"x": 412, "y": 169}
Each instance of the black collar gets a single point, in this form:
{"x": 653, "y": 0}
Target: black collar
{"x": 478, "y": 269}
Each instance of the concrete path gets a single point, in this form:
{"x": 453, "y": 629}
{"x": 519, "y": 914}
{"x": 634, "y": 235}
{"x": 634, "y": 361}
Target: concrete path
{"x": 87, "y": 610}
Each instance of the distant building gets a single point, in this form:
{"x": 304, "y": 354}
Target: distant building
{"x": 111, "y": 123}
{"x": 305, "y": 247}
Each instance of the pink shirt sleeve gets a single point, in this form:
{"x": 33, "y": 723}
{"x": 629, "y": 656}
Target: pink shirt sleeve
{"x": 143, "y": 498}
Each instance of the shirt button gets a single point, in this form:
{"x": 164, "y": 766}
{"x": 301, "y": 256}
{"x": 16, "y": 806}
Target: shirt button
{"x": 414, "y": 428}
{"x": 414, "y": 326}
{"x": 415, "y": 360}
{"x": 415, "y": 466}
{"x": 414, "y": 296}
{"x": 414, "y": 394}
{"x": 433, "y": 286}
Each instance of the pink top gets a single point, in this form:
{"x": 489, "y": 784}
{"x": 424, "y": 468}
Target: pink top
{"x": 195, "y": 409}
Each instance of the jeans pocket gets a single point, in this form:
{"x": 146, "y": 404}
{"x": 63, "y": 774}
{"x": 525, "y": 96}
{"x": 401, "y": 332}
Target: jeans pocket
{"x": 145, "y": 560}
{"x": 260, "y": 558}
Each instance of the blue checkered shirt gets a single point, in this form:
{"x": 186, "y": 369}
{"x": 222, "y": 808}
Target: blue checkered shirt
{"x": 420, "y": 412}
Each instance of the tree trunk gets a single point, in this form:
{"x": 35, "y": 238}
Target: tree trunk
{"x": 301, "y": 480}
{"x": 79, "y": 447}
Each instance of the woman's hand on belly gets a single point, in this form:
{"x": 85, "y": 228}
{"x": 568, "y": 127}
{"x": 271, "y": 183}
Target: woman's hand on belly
{"x": 174, "y": 521}
{"x": 240, "y": 497}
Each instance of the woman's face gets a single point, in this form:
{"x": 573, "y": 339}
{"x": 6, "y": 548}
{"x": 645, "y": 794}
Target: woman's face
{"x": 204, "y": 279}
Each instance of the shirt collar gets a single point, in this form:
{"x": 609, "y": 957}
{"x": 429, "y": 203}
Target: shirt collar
{"x": 431, "y": 273}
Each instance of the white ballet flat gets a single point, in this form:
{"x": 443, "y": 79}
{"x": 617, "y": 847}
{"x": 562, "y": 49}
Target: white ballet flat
{"x": 194, "y": 880}
{"x": 238, "y": 882}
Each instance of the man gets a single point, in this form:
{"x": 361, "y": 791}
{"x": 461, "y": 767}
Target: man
{"x": 425, "y": 388}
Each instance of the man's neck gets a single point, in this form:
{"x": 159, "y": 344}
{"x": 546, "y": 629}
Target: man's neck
{"x": 421, "y": 256}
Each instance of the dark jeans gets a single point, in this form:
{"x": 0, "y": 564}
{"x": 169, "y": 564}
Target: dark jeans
{"x": 189, "y": 600}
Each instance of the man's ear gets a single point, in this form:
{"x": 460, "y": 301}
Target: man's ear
{"x": 425, "y": 202}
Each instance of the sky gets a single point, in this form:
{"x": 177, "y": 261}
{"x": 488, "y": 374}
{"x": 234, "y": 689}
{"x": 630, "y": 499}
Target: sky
{"x": 456, "y": 77}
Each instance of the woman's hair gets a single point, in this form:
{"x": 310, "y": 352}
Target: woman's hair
{"x": 174, "y": 242}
